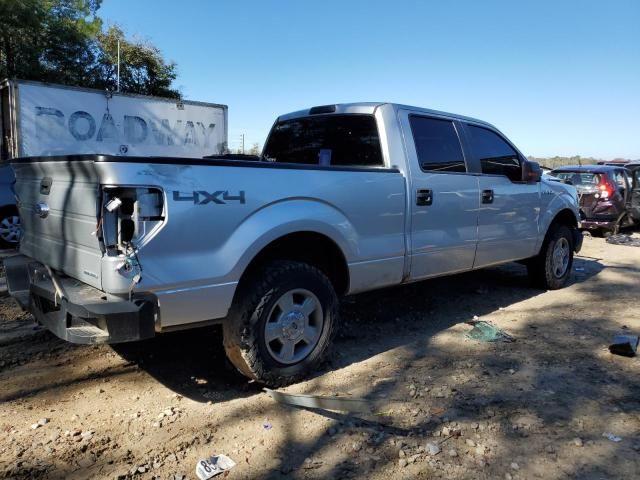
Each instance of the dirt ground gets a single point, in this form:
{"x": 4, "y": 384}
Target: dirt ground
{"x": 447, "y": 406}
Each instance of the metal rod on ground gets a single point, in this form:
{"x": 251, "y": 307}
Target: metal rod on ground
{"x": 352, "y": 405}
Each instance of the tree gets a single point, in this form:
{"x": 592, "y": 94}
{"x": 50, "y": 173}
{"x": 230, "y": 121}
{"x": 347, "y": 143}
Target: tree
{"x": 142, "y": 68}
{"x": 62, "y": 41}
{"x": 48, "y": 40}
{"x": 255, "y": 149}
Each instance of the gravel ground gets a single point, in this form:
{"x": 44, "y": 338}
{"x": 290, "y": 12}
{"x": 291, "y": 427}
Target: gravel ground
{"x": 446, "y": 406}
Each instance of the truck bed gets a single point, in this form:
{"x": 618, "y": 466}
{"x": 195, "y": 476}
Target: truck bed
{"x": 218, "y": 214}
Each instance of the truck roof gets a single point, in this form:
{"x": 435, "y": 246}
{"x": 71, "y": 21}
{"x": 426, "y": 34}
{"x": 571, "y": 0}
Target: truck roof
{"x": 370, "y": 108}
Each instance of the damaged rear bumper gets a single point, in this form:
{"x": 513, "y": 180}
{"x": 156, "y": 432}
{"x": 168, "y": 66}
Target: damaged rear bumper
{"x": 598, "y": 224}
{"x": 75, "y": 311}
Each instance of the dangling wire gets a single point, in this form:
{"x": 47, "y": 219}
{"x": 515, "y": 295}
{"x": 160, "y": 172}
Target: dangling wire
{"x": 131, "y": 257}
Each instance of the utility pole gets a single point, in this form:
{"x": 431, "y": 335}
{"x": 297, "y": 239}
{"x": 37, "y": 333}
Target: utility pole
{"x": 118, "y": 74}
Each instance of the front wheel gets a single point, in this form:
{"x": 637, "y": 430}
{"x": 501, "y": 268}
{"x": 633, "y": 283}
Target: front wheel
{"x": 281, "y": 323}
{"x": 551, "y": 268}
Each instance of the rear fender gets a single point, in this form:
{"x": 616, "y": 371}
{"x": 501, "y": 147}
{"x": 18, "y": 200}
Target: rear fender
{"x": 279, "y": 219}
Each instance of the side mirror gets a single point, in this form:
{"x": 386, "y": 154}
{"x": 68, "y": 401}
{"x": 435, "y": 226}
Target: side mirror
{"x": 531, "y": 172}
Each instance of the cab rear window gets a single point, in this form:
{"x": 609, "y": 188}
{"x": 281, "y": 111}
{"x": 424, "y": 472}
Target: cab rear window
{"x": 340, "y": 140}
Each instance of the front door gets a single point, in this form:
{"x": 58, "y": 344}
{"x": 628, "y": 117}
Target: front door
{"x": 509, "y": 208}
{"x": 444, "y": 197}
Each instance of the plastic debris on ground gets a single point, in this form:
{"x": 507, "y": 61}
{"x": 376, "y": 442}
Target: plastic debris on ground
{"x": 625, "y": 345}
{"x": 486, "y": 332}
{"x": 624, "y": 239}
{"x": 352, "y": 405}
{"x": 612, "y": 437}
{"x": 214, "y": 465}
{"x": 267, "y": 426}
{"x": 311, "y": 463}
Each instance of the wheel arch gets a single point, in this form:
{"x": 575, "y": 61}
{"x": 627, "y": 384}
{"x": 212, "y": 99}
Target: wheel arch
{"x": 311, "y": 247}
{"x": 9, "y": 207}
{"x": 564, "y": 216}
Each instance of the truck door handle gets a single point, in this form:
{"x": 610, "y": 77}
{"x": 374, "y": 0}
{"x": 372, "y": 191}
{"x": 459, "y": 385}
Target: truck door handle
{"x": 45, "y": 185}
{"x": 487, "y": 196}
{"x": 424, "y": 197}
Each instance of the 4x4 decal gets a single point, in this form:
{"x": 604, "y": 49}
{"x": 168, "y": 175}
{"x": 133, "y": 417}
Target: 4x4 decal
{"x": 201, "y": 197}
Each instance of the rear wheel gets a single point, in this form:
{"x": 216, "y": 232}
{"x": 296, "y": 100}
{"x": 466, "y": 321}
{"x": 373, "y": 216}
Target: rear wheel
{"x": 551, "y": 268}
{"x": 10, "y": 227}
{"x": 282, "y": 323}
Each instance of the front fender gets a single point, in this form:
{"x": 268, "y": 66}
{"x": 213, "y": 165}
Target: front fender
{"x": 563, "y": 201}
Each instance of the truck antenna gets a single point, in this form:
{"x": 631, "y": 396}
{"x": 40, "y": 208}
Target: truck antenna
{"x": 118, "y": 73}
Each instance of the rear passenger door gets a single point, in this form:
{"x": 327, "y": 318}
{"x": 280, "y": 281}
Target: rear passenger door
{"x": 635, "y": 195}
{"x": 623, "y": 184}
{"x": 509, "y": 208}
{"x": 443, "y": 196}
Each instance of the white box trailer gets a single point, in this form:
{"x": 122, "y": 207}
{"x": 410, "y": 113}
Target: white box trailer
{"x": 38, "y": 119}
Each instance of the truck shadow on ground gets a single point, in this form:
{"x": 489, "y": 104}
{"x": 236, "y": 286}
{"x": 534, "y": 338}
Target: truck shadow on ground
{"x": 193, "y": 363}
{"x": 555, "y": 395}
{"x": 553, "y": 389}
{"x": 535, "y": 404}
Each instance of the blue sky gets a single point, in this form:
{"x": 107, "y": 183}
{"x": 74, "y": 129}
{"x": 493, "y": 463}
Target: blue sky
{"x": 558, "y": 77}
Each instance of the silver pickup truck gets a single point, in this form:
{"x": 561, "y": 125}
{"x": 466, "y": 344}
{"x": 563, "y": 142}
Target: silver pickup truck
{"x": 344, "y": 199}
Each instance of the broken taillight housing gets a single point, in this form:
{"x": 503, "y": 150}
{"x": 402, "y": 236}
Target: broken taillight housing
{"x": 129, "y": 217}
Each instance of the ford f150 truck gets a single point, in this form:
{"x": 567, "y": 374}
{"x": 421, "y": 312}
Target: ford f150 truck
{"x": 344, "y": 199}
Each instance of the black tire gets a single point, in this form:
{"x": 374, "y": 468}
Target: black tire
{"x": 541, "y": 268}
{"x": 7, "y": 217}
{"x": 244, "y": 329}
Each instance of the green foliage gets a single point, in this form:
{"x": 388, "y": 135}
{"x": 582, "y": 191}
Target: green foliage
{"x": 48, "y": 40}
{"x": 555, "y": 162}
{"x": 142, "y": 68}
{"x": 255, "y": 149}
{"x": 62, "y": 41}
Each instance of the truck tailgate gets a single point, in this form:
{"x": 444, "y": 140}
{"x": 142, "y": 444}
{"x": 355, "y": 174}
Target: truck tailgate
{"x": 64, "y": 238}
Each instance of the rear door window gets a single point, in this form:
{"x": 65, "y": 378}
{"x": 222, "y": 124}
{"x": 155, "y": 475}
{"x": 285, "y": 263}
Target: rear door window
{"x": 621, "y": 179}
{"x": 341, "y": 140}
{"x": 437, "y": 144}
{"x": 496, "y": 156}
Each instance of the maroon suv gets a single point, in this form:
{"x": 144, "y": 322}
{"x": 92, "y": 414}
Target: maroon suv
{"x": 606, "y": 195}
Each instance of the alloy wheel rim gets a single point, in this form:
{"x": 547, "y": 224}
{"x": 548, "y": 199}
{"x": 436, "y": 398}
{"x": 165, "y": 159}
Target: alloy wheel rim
{"x": 294, "y": 326}
{"x": 560, "y": 257}
{"x": 10, "y": 229}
